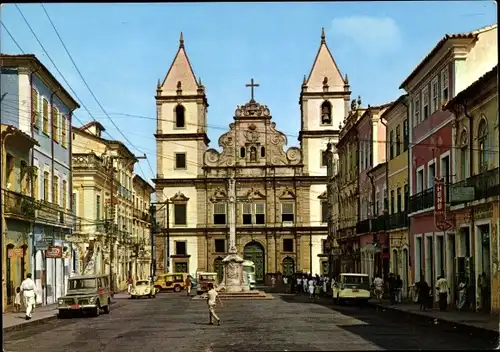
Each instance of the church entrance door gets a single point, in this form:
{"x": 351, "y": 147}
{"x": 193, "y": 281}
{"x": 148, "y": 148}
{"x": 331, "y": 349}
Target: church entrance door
{"x": 255, "y": 252}
{"x": 288, "y": 266}
{"x": 219, "y": 269}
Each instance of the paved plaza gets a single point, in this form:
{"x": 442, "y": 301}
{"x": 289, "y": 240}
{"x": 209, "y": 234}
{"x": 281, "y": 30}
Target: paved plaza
{"x": 172, "y": 322}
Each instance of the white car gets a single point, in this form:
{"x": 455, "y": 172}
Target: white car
{"x": 143, "y": 288}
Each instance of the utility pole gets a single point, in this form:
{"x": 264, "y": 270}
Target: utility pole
{"x": 166, "y": 257}
{"x": 152, "y": 230}
{"x": 111, "y": 225}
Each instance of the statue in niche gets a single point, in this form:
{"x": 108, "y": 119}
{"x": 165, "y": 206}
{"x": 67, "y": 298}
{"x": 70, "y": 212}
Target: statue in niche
{"x": 253, "y": 154}
{"x": 326, "y": 113}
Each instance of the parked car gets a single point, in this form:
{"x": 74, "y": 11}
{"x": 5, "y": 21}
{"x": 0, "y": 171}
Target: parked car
{"x": 172, "y": 281}
{"x": 143, "y": 288}
{"x": 203, "y": 279}
{"x": 352, "y": 287}
{"x": 86, "y": 293}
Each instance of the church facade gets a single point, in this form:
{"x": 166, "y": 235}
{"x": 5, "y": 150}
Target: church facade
{"x": 281, "y": 204}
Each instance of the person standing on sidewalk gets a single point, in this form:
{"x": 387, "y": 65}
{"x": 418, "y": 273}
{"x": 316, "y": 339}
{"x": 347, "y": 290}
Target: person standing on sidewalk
{"x": 211, "y": 300}
{"x": 188, "y": 285}
{"x": 399, "y": 289}
{"x": 28, "y": 288}
{"x": 130, "y": 282}
{"x": 423, "y": 293}
{"x": 443, "y": 288}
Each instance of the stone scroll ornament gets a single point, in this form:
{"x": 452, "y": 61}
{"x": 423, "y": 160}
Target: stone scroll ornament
{"x": 232, "y": 270}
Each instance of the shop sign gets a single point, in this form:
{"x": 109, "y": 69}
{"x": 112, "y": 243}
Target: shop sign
{"x": 53, "y": 252}
{"x": 13, "y": 253}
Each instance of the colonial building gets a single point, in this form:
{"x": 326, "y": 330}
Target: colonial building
{"x": 18, "y": 209}
{"x": 474, "y": 197}
{"x": 371, "y": 228}
{"x": 37, "y": 104}
{"x": 396, "y": 117}
{"x": 281, "y": 212}
{"x": 346, "y": 183}
{"x": 452, "y": 65}
{"x": 141, "y": 228}
{"x": 103, "y": 203}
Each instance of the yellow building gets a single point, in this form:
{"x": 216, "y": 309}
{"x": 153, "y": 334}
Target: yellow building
{"x": 398, "y": 190}
{"x": 474, "y": 196}
{"x": 104, "y": 209}
{"x": 141, "y": 228}
{"x": 18, "y": 209}
{"x": 348, "y": 188}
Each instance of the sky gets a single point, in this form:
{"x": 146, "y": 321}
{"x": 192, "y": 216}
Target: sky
{"x": 122, "y": 50}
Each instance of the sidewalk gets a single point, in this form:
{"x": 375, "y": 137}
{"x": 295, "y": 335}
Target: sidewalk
{"x": 482, "y": 321}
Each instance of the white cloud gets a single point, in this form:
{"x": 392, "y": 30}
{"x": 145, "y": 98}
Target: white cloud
{"x": 373, "y": 35}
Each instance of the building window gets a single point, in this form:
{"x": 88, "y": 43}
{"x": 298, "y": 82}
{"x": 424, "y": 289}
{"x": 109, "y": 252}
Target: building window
{"x": 24, "y": 178}
{"x": 288, "y": 245}
{"x": 420, "y": 180}
{"x": 391, "y": 145}
{"x": 431, "y": 173}
{"x": 34, "y": 180}
{"x": 435, "y": 95}
{"x": 260, "y": 213}
{"x": 377, "y": 203}
{"x": 46, "y": 182}
{"x": 326, "y": 113}
{"x": 35, "y": 108}
{"x": 180, "y": 214}
{"x": 392, "y": 201}
{"x": 55, "y": 124}
{"x": 55, "y": 190}
{"x": 220, "y": 213}
{"x": 65, "y": 194}
{"x": 482, "y": 137}
{"x": 262, "y": 152}
{"x": 180, "y": 160}
{"x": 444, "y": 85}
{"x": 10, "y": 174}
{"x": 73, "y": 205}
{"x": 407, "y": 196}
{"x": 324, "y": 211}
{"x": 220, "y": 246}
{"x": 180, "y": 116}
{"x": 247, "y": 214}
{"x": 399, "y": 195}
{"x": 398, "y": 140}
{"x": 287, "y": 213}
{"x": 98, "y": 207}
{"x": 425, "y": 98}
{"x": 324, "y": 249}
{"x": 464, "y": 155}
{"x": 406, "y": 135}
{"x": 324, "y": 158}
{"x": 64, "y": 131}
{"x": 416, "y": 110}
{"x": 180, "y": 248}
{"x": 45, "y": 113}
{"x": 386, "y": 201}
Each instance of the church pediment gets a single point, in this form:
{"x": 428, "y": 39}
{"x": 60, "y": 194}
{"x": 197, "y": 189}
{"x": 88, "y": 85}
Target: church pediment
{"x": 179, "y": 197}
{"x": 255, "y": 194}
{"x": 219, "y": 195}
{"x": 287, "y": 194}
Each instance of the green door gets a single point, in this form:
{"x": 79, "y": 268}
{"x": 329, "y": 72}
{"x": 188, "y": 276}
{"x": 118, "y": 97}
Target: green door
{"x": 219, "y": 268}
{"x": 254, "y": 252}
{"x": 288, "y": 266}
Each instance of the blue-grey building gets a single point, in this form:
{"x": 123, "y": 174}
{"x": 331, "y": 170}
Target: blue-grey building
{"x": 36, "y": 103}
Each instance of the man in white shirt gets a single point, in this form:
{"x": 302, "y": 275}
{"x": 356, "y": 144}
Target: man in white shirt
{"x": 211, "y": 300}
{"x": 378, "y": 285}
{"x": 443, "y": 288}
{"x": 28, "y": 288}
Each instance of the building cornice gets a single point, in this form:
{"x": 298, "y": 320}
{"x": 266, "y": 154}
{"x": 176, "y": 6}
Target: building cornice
{"x": 162, "y": 182}
{"x": 182, "y": 137}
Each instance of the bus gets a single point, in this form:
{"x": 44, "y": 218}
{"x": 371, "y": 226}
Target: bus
{"x": 249, "y": 269}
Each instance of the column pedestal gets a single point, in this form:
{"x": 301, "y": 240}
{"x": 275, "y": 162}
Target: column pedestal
{"x": 234, "y": 276}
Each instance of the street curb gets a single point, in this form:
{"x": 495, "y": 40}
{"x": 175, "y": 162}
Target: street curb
{"x": 34, "y": 322}
{"x": 490, "y": 335}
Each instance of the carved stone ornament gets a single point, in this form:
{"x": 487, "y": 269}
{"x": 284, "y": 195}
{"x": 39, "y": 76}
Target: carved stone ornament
{"x": 252, "y": 109}
{"x": 219, "y": 194}
{"x": 251, "y": 135}
{"x": 323, "y": 195}
{"x": 287, "y": 194}
{"x": 232, "y": 270}
{"x": 179, "y": 197}
{"x": 294, "y": 155}
{"x": 254, "y": 194}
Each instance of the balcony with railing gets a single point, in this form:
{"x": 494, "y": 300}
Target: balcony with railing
{"x": 87, "y": 161}
{"x": 363, "y": 226}
{"x": 380, "y": 223}
{"x": 477, "y": 187}
{"x": 422, "y": 200}
{"x": 398, "y": 220}
{"x": 19, "y": 205}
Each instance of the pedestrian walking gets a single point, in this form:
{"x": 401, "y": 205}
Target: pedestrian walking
{"x": 187, "y": 283}
{"x": 304, "y": 283}
{"x": 462, "y": 295}
{"x": 378, "y": 285}
{"x": 28, "y": 288}
{"x": 212, "y": 296}
{"x": 273, "y": 281}
{"x": 17, "y": 300}
{"x": 423, "y": 293}
{"x": 311, "y": 287}
{"x": 399, "y": 289}
{"x": 443, "y": 289}
{"x": 392, "y": 288}
{"x": 130, "y": 282}
{"x": 285, "y": 282}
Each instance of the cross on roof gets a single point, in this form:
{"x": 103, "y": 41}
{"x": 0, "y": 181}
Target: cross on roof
{"x": 252, "y": 85}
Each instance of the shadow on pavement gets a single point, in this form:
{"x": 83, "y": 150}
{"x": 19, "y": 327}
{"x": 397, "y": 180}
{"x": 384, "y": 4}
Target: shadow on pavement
{"x": 393, "y": 329}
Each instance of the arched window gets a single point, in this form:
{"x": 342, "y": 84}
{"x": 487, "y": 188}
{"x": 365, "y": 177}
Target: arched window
{"x": 482, "y": 138}
{"x": 464, "y": 155}
{"x": 180, "y": 118}
{"x": 326, "y": 113}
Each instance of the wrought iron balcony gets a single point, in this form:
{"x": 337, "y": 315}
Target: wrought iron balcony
{"x": 422, "y": 200}
{"x": 19, "y": 205}
{"x": 380, "y": 223}
{"x": 485, "y": 185}
{"x": 363, "y": 226}
{"x": 398, "y": 220}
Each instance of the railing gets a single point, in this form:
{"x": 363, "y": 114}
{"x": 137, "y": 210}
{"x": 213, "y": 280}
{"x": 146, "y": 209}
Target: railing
{"x": 422, "y": 200}
{"x": 398, "y": 220}
{"x": 363, "y": 226}
{"x": 380, "y": 223}
{"x": 89, "y": 161}
{"x": 17, "y": 204}
{"x": 485, "y": 185}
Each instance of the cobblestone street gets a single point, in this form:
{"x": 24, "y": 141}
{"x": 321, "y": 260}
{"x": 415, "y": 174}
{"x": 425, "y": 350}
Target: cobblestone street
{"x": 172, "y": 322}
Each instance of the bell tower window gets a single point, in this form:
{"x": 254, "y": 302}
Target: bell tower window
{"x": 326, "y": 113}
{"x": 180, "y": 118}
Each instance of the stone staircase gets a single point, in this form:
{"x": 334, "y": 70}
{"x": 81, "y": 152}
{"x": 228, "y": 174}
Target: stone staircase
{"x": 248, "y": 295}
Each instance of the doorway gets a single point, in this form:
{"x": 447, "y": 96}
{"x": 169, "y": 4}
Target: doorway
{"x": 254, "y": 252}
{"x": 219, "y": 268}
{"x": 484, "y": 275}
{"x": 288, "y": 266}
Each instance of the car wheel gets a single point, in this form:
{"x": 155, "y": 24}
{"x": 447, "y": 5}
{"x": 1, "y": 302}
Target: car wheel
{"x": 107, "y": 307}
{"x": 97, "y": 310}
{"x": 158, "y": 289}
{"x": 177, "y": 288}
{"x": 62, "y": 314}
